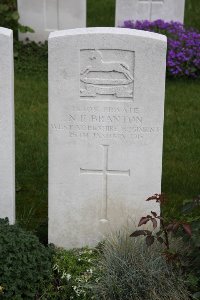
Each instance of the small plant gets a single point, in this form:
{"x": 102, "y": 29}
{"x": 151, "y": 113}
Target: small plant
{"x": 25, "y": 217}
{"x": 190, "y": 262}
{"x": 73, "y": 273}
{"x": 130, "y": 270}
{"x": 31, "y": 58}
{"x": 166, "y": 227}
{"x": 9, "y": 17}
{"x": 183, "y": 55}
{"x": 25, "y": 264}
{"x": 191, "y": 210}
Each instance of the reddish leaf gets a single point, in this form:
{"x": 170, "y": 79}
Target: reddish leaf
{"x": 170, "y": 256}
{"x": 154, "y": 214}
{"x": 160, "y": 218}
{"x": 154, "y": 197}
{"x": 158, "y": 197}
{"x": 175, "y": 226}
{"x": 162, "y": 198}
{"x": 149, "y": 240}
{"x": 187, "y": 228}
{"x": 169, "y": 227}
{"x": 155, "y": 224}
{"x": 143, "y": 221}
{"x": 140, "y": 232}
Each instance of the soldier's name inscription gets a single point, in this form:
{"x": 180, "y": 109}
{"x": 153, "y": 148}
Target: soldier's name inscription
{"x": 126, "y": 124}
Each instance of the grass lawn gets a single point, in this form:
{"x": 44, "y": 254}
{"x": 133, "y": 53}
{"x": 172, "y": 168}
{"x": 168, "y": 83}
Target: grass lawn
{"x": 181, "y": 156}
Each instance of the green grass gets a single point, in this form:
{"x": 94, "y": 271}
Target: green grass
{"x": 100, "y": 13}
{"x": 192, "y": 13}
{"x": 181, "y": 156}
{"x": 31, "y": 148}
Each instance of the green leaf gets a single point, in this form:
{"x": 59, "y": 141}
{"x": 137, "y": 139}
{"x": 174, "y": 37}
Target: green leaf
{"x": 15, "y": 15}
{"x": 187, "y": 228}
{"x": 3, "y": 7}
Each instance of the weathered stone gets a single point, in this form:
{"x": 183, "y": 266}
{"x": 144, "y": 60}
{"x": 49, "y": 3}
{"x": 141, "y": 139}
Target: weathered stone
{"x": 45, "y": 16}
{"x": 167, "y": 10}
{"x": 7, "y": 160}
{"x": 106, "y": 112}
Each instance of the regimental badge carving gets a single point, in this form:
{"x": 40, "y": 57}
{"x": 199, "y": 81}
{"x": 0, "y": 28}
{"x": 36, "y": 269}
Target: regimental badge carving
{"x": 107, "y": 74}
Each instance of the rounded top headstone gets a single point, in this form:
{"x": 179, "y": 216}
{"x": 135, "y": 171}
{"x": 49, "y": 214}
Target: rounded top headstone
{"x": 6, "y": 31}
{"x": 108, "y": 30}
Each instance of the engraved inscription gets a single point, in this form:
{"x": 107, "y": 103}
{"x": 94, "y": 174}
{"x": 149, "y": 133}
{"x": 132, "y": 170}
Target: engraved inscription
{"x": 151, "y": 4}
{"x": 106, "y": 74}
{"x": 125, "y": 124}
{"x": 105, "y": 171}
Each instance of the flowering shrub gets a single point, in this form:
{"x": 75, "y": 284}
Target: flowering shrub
{"x": 73, "y": 273}
{"x": 183, "y": 55}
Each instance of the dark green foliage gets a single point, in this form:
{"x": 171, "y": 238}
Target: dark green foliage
{"x": 25, "y": 264}
{"x": 73, "y": 273}
{"x": 31, "y": 58}
{"x": 9, "y": 17}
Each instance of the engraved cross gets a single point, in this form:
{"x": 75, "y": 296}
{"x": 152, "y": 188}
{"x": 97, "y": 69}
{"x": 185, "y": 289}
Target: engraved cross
{"x": 105, "y": 171}
{"x": 151, "y": 3}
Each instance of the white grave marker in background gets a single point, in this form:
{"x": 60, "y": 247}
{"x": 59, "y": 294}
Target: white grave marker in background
{"x": 106, "y": 111}
{"x": 7, "y": 160}
{"x": 167, "y": 10}
{"x": 45, "y": 16}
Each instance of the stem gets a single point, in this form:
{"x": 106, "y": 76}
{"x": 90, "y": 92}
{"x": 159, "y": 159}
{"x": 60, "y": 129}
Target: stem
{"x": 165, "y": 234}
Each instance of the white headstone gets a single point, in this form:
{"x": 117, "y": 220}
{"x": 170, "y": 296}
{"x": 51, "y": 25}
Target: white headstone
{"x": 167, "y": 10}
{"x": 45, "y": 16}
{"x": 7, "y": 161}
{"x": 106, "y": 111}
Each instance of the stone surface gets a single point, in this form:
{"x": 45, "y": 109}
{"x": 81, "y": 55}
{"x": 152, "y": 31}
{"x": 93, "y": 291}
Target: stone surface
{"x": 7, "y": 161}
{"x": 45, "y": 16}
{"x": 106, "y": 111}
{"x": 167, "y": 10}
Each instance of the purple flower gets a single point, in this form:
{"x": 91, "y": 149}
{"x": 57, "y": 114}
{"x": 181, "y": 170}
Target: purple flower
{"x": 183, "y": 55}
